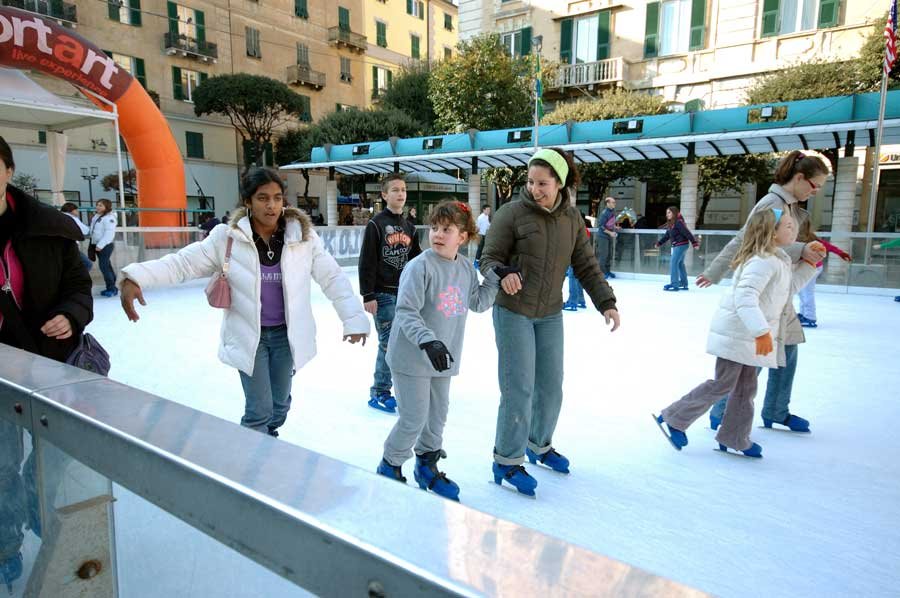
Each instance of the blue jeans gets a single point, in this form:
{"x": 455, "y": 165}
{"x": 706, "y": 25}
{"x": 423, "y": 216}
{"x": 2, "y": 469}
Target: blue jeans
{"x": 778, "y": 390}
{"x": 88, "y": 264}
{"x": 530, "y": 371}
{"x": 576, "y": 292}
{"x": 384, "y": 317}
{"x": 103, "y": 258}
{"x": 677, "y": 271}
{"x": 267, "y": 393}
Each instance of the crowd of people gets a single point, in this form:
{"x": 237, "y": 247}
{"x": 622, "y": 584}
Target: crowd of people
{"x": 269, "y": 254}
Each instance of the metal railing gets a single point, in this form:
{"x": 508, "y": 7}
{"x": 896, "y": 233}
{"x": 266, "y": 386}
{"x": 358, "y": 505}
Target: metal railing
{"x": 319, "y": 523}
{"x": 188, "y": 46}
{"x": 302, "y": 74}
{"x": 348, "y": 38}
{"x": 610, "y": 70}
{"x": 65, "y": 12}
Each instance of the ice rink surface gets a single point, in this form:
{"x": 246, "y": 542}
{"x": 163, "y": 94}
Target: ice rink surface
{"x": 817, "y": 516}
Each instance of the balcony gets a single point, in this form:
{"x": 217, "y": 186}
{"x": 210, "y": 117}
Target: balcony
{"x": 64, "y": 13}
{"x": 188, "y": 47}
{"x": 610, "y": 70}
{"x": 301, "y": 74}
{"x": 353, "y": 41}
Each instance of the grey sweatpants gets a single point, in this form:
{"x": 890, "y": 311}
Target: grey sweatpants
{"x": 423, "y": 404}
{"x": 738, "y": 382}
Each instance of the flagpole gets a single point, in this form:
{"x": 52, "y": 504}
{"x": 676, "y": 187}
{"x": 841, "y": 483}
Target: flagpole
{"x": 536, "y": 43}
{"x": 873, "y": 185}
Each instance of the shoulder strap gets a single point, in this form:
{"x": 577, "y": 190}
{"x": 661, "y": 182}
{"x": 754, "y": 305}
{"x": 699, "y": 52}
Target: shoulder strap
{"x": 227, "y": 253}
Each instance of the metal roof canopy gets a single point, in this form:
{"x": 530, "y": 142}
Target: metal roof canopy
{"x": 817, "y": 124}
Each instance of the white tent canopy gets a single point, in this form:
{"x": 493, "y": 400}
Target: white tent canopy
{"x": 26, "y": 105}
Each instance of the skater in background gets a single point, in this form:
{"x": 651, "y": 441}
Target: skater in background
{"x": 44, "y": 310}
{"x": 103, "y": 237}
{"x": 209, "y": 222}
{"x": 677, "y": 232}
{"x": 541, "y": 233}
{"x": 268, "y": 331}
{"x": 746, "y": 332}
{"x": 576, "y": 291}
{"x": 389, "y": 243}
{"x": 797, "y": 178}
{"x": 888, "y": 245}
{"x": 608, "y": 231}
{"x": 71, "y": 210}
{"x": 483, "y": 223}
{"x": 807, "y": 312}
{"x": 413, "y": 216}
{"x": 437, "y": 290}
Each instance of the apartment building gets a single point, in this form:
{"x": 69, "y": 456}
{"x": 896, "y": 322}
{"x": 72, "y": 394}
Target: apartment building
{"x": 335, "y": 55}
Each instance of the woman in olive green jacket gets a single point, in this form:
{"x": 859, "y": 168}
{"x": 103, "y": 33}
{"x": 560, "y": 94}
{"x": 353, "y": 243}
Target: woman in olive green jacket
{"x": 541, "y": 234}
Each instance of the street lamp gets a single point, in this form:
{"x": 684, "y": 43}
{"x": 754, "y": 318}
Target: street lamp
{"x": 536, "y": 42}
{"x": 90, "y": 176}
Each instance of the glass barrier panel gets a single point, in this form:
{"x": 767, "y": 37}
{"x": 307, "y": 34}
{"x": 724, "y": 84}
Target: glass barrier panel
{"x": 20, "y": 544}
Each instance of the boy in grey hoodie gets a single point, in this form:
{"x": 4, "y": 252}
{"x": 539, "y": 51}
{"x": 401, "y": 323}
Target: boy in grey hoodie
{"x": 437, "y": 289}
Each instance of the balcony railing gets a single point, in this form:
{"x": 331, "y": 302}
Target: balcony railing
{"x": 354, "y": 41}
{"x": 610, "y": 70}
{"x": 191, "y": 48}
{"x": 301, "y": 74}
{"x": 64, "y": 12}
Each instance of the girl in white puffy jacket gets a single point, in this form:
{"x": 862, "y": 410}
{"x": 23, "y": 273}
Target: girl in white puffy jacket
{"x": 103, "y": 237}
{"x": 268, "y": 332}
{"x": 746, "y": 332}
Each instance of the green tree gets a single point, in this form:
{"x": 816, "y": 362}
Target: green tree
{"x": 506, "y": 180}
{"x": 482, "y": 87}
{"x": 409, "y": 93}
{"x": 26, "y": 183}
{"x": 254, "y": 104}
{"x": 110, "y": 182}
{"x": 295, "y": 145}
{"x": 730, "y": 173}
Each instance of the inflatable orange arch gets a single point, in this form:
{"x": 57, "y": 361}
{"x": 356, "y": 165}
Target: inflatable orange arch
{"x": 27, "y": 41}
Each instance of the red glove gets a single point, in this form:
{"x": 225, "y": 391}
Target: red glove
{"x": 764, "y": 344}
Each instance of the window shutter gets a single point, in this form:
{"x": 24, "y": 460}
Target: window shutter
{"x": 113, "y": 7}
{"x": 374, "y": 81}
{"x": 414, "y": 46}
{"x": 269, "y": 153}
{"x": 829, "y": 10}
{"x": 139, "y": 72}
{"x": 135, "y": 12}
{"x": 565, "y": 41}
{"x": 390, "y": 77}
{"x": 698, "y": 25}
{"x": 651, "y": 30}
{"x": 421, "y": 11}
{"x": 301, "y": 9}
{"x": 525, "y": 42}
{"x": 305, "y": 109}
{"x": 603, "y": 35}
{"x": 203, "y": 77}
{"x": 177, "y": 89}
{"x": 343, "y": 18}
{"x": 770, "y": 18}
{"x": 200, "y": 20}
{"x": 172, "y": 10}
{"x": 409, "y": 7}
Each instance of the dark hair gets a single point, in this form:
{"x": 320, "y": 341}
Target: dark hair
{"x": 675, "y": 213}
{"x": 572, "y": 179}
{"x": 68, "y": 207}
{"x": 485, "y": 207}
{"x": 450, "y": 211}
{"x": 796, "y": 161}
{"x": 106, "y": 204}
{"x": 255, "y": 178}
{"x": 6, "y": 154}
{"x": 386, "y": 181}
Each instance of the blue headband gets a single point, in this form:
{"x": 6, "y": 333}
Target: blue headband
{"x": 778, "y": 214}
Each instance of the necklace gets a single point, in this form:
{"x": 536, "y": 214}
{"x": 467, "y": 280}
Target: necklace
{"x": 269, "y": 253}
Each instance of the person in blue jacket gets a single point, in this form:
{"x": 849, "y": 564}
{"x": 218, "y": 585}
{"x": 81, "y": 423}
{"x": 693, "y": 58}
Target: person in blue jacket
{"x": 677, "y": 232}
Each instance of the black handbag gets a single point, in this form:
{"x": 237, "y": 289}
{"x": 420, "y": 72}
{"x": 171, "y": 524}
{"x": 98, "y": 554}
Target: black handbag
{"x": 92, "y": 252}
{"x": 88, "y": 355}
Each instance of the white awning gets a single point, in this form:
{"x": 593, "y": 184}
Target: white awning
{"x": 26, "y": 105}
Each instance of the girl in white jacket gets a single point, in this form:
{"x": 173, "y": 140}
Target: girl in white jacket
{"x": 745, "y": 333}
{"x": 268, "y": 332}
{"x": 103, "y": 236}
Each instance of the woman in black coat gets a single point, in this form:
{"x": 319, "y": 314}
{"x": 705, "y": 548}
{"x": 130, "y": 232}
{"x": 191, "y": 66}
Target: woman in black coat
{"x": 45, "y": 305}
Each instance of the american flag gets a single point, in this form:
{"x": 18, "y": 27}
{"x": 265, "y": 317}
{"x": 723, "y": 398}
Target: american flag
{"x": 890, "y": 38}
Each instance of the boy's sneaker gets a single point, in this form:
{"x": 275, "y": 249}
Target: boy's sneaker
{"x": 806, "y": 322}
{"x": 383, "y": 401}
{"x": 714, "y": 421}
{"x": 897, "y": 298}
{"x": 515, "y": 475}
{"x": 390, "y": 471}
{"x": 551, "y": 459}
{"x": 683, "y": 287}
{"x": 110, "y": 292}
{"x": 610, "y": 275}
{"x": 670, "y": 287}
{"x": 582, "y": 305}
{"x": 794, "y": 422}
{"x": 569, "y": 306}
{"x": 429, "y": 478}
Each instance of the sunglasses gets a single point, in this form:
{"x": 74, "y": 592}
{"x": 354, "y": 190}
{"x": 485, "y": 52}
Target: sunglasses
{"x": 813, "y": 185}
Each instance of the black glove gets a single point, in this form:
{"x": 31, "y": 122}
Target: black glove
{"x": 438, "y": 354}
{"x": 504, "y": 271}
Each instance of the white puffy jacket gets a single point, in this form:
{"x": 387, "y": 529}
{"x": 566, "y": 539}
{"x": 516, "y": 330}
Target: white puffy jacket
{"x": 103, "y": 229}
{"x": 754, "y": 305}
{"x": 303, "y": 259}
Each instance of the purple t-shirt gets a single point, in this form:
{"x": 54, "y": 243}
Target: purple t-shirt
{"x": 272, "y": 295}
